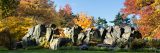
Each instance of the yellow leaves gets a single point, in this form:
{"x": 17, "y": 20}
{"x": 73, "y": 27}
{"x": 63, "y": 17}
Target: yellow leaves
{"x": 139, "y": 3}
{"x": 17, "y": 26}
{"x": 157, "y": 11}
{"x": 83, "y": 20}
{"x": 1, "y": 26}
{"x": 156, "y": 4}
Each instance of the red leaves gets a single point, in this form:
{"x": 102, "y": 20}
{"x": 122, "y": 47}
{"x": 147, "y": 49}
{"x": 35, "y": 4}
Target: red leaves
{"x": 148, "y": 23}
{"x": 130, "y": 7}
{"x": 68, "y": 9}
{"x": 148, "y": 10}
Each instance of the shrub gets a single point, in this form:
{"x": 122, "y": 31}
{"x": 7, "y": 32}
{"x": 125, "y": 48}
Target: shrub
{"x": 6, "y": 40}
{"x": 153, "y": 43}
{"x": 137, "y": 43}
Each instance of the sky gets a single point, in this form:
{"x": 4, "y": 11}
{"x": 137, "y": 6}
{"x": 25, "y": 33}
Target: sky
{"x": 107, "y": 9}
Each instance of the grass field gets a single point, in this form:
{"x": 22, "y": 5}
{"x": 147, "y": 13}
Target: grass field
{"x": 67, "y": 51}
{"x": 51, "y": 51}
{"x": 63, "y": 51}
{"x": 75, "y": 50}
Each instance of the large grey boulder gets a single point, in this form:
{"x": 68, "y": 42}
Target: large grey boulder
{"x": 88, "y": 34}
{"x": 27, "y": 38}
{"x": 38, "y": 32}
{"x": 101, "y": 31}
{"x": 81, "y": 38}
{"x": 110, "y": 37}
{"x": 84, "y": 47}
{"x": 127, "y": 32}
{"x": 67, "y": 32}
{"x": 49, "y": 34}
{"x": 33, "y": 37}
{"x": 76, "y": 30}
{"x": 116, "y": 32}
{"x": 29, "y": 33}
{"x": 122, "y": 42}
{"x": 118, "y": 35}
{"x": 108, "y": 33}
{"x": 84, "y": 37}
{"x": 109, "y": 41}
{"x": 54, "y": 43}
{"x": 98, "y": 34}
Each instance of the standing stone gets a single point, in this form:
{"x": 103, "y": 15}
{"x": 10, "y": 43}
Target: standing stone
{"x": 27, "y": 38}
{"x": 116, "y": 32}
{"x": 42, "y": 41}
{"x": 101, "y": 31}
{"x": 127, "y": 32}
{"x": 123, "y": 42}
{"x": 67, "y": 32}
{"x": 109, "y": 41}
{"x": 39, "y": 31}
{"x": 81, "y": 37}
{"x": 76, "y": 30}
{"x": 72, "y": 34}
{"x": 54, "y": 43}
{"x": 48, "y": 34}
{"x": 110, "y": 38}
{"x": 36, "y": 33}
{"x": 88, "y": 34}
{"x": 108, "y": 34}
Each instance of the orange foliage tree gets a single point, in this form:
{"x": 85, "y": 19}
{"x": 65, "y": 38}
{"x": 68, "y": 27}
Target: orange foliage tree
{"x": 84, "y": 21}
{"x": 66, "y": 15}
{"x": 42, "y": 11}
{"x": 149, "y": 12}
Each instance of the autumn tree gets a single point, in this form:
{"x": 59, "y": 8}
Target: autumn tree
{"x": 42, "y": 11}
{"x": 66, "y": 15}
{"x": 148, "y": 10}
{"x": 83, "y": 20}
{"x": 8, "y": 8}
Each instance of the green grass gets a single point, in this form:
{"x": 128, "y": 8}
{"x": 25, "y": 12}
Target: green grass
{"x": 51, "y": 51}
{"x": 76, "y": 50}
{"x": 59, "y": 51}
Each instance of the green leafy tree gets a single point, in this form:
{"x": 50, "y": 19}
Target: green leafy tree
{"x": 120, "y": 21}
{"x": 101, "y": 22}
